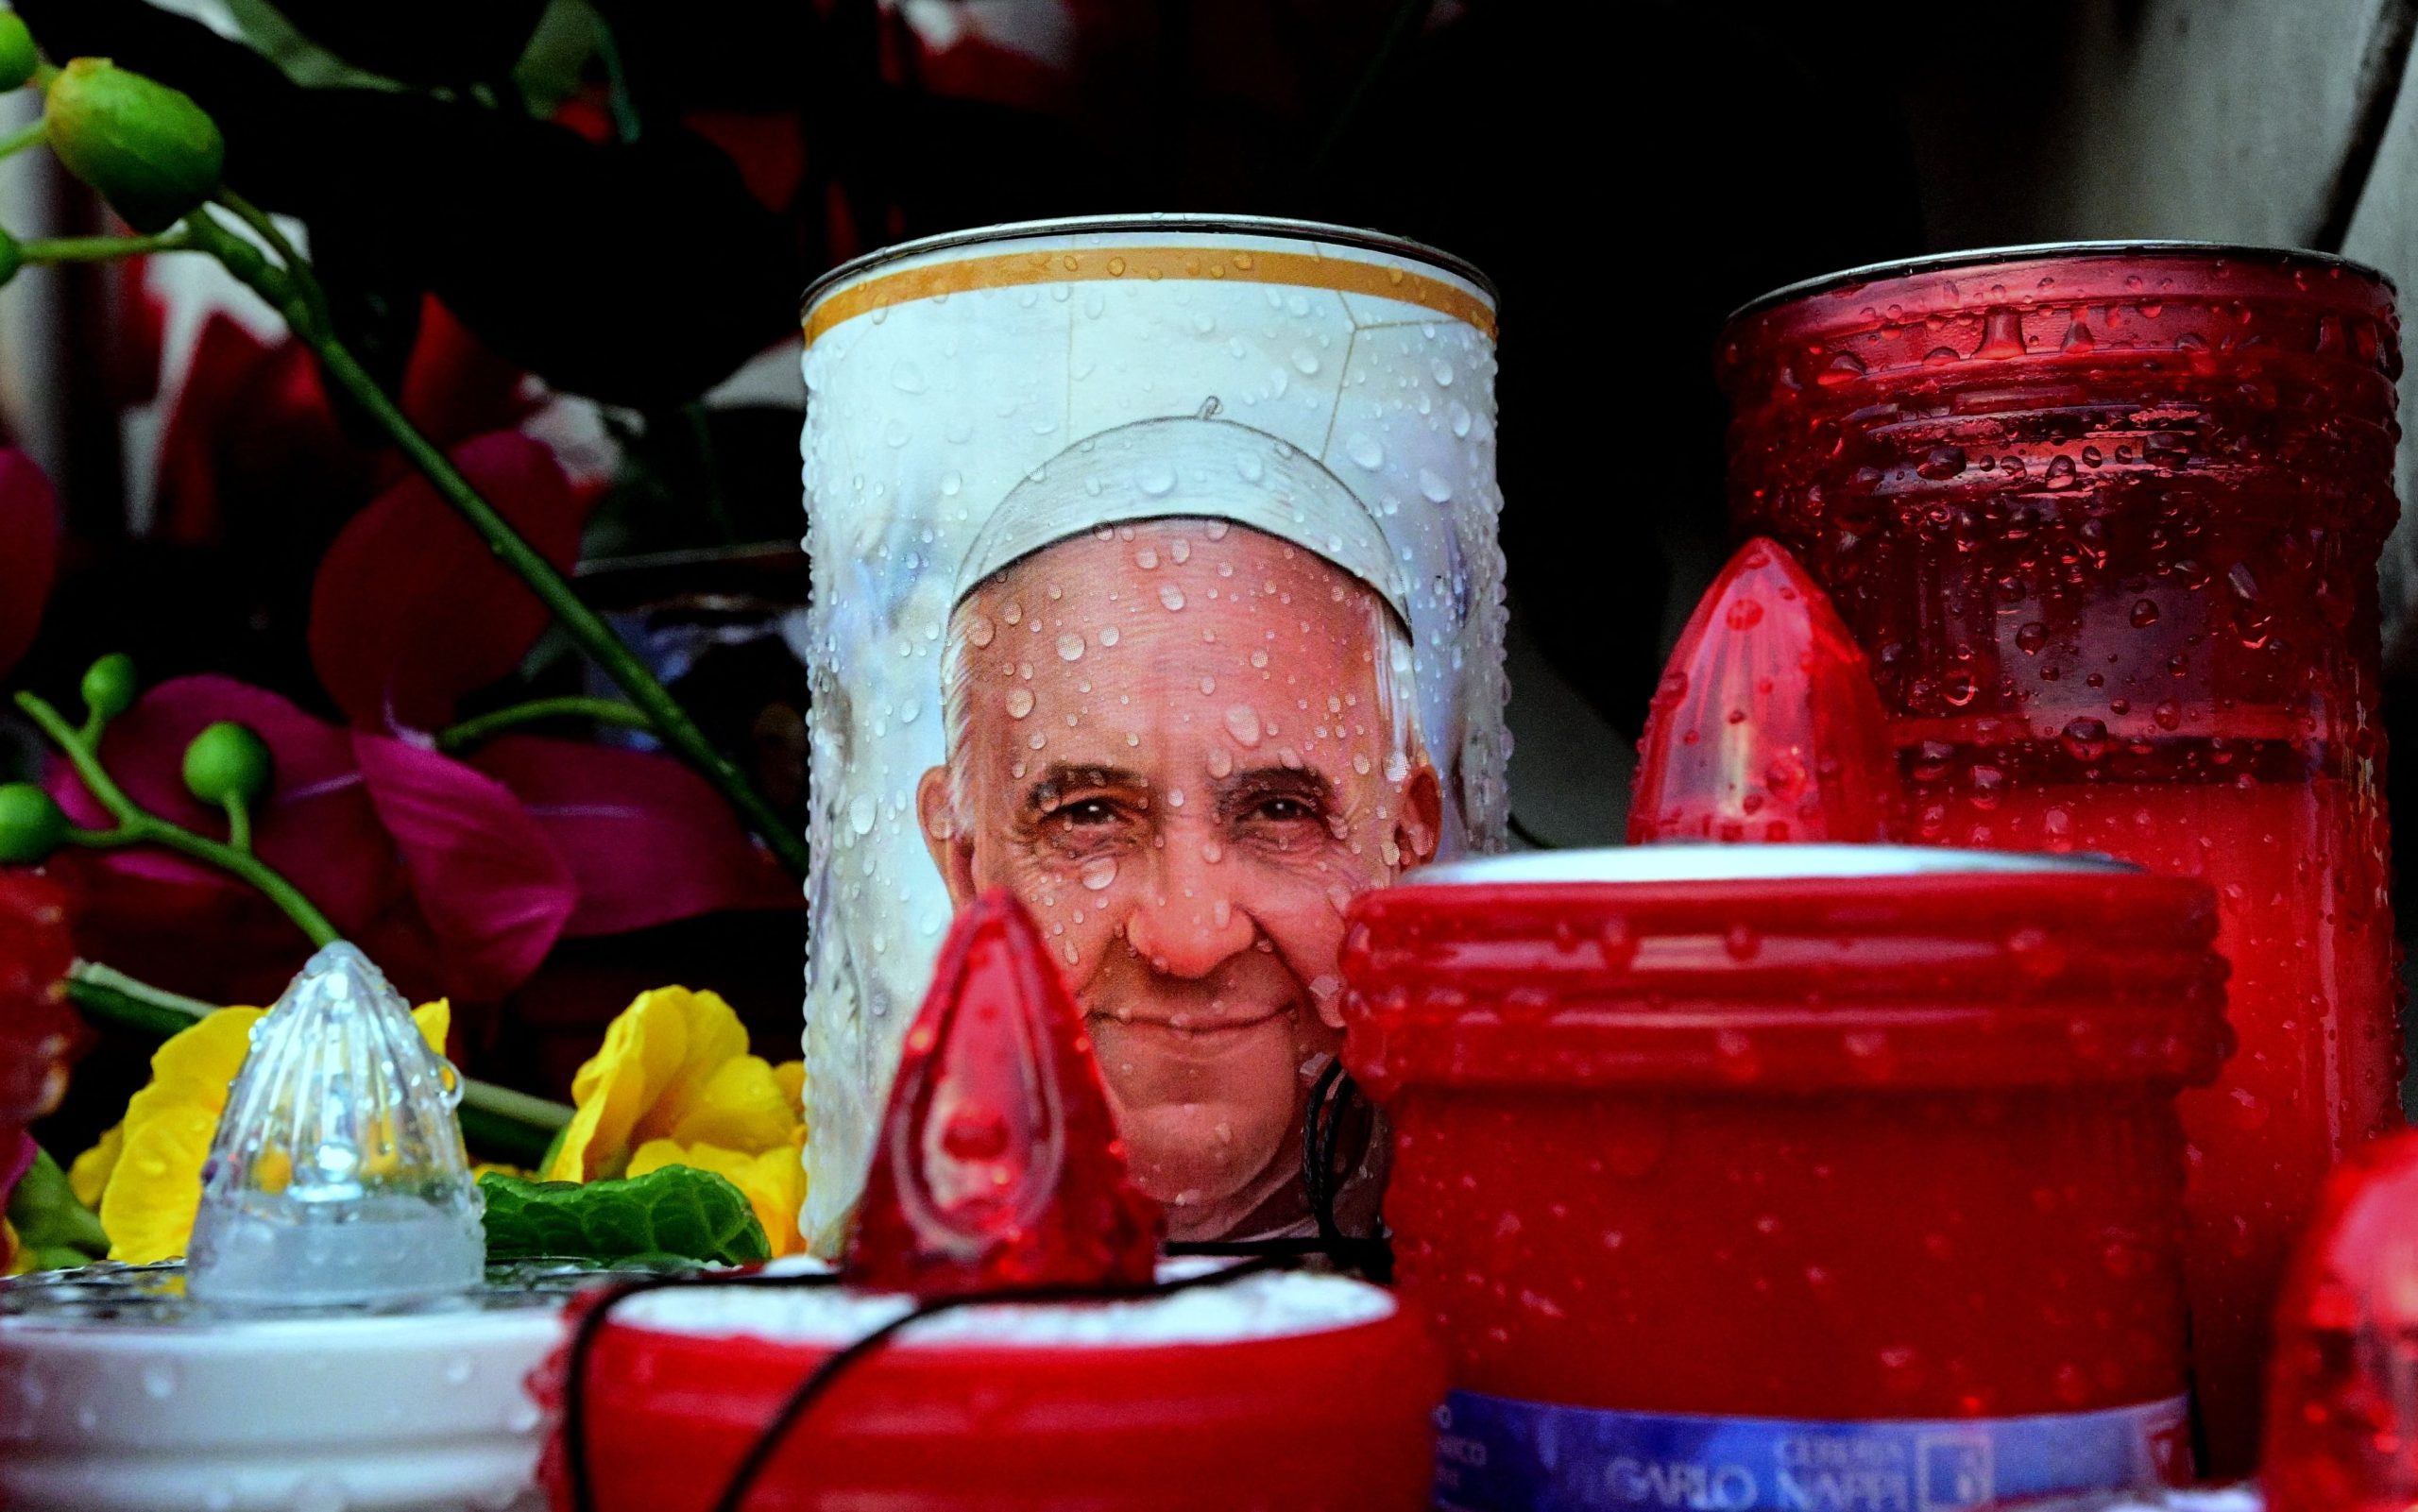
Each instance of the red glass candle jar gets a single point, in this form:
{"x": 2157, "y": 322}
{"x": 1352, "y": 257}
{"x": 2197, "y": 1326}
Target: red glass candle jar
{"x": 2106, "y": 520}
{"x": 1275, "y": 1393}
{"x": 1734, "y": 1175}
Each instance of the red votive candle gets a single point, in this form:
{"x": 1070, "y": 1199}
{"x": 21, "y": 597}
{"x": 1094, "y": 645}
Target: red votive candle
{"x": 1278, "y": 1392}
{"x": 2106, "y": 520}
{"x": 1746, "y": 1176}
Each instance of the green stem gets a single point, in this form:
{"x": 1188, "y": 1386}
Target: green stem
{"x": 297, "y": 266}
{"x": 138, "y": 825}
{"x": 25, "y": 136}
{"x": 498, "y": 1120}
{"x": 239, "y": 825}
{"x": 97, "y": 249}
{"x": 605, "y": 710}
{"x": 587, "y": 628}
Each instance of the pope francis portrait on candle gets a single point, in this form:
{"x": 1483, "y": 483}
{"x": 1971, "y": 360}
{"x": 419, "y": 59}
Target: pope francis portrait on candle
{"x": 1181, "y": 730}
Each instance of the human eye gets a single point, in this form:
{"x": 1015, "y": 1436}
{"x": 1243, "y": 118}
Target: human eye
{"x": 1282, "y": 816}
{"x": 1284, "y": 809}
{"x": 1085, "y": 825}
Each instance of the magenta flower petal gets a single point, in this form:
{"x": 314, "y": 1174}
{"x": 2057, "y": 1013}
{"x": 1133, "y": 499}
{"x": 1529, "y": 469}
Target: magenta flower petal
{"x": 647, "y": 839}
{"x": 487, "y": 879}
{"x": 411, "y": 610}
{"x": 317, "y": 826}
{"x": 28, "y": 552}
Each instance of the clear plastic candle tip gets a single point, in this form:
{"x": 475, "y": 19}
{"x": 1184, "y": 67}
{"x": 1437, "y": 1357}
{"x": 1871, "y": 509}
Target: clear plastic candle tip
{"x": 337, "y": 1175}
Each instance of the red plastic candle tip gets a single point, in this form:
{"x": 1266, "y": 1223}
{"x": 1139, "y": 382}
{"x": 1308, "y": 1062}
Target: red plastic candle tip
{"x": 1766, "y": 726}
{"x": 2345, "y": 1384}
{"x": 999, "y": 1163}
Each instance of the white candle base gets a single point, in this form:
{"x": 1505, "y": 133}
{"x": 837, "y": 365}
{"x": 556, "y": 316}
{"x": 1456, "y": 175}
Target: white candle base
{"x": 423, "y": 1411}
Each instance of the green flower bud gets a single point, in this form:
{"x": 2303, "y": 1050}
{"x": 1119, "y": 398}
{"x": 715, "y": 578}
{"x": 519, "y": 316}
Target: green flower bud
{"x": 31, "y": 824}
{"x": 109, "y": 686}
{"x": 225, "y": 763}
{"x": 19, "y": 56}
{"x": 150, "y": 149}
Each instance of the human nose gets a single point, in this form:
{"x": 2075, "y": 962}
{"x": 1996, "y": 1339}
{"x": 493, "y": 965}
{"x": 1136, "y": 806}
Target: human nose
{"x": 1186, "y": 922}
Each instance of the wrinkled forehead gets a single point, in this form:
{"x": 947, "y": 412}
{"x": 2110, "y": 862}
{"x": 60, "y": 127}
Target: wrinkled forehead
{"x": 1147, "y": 568}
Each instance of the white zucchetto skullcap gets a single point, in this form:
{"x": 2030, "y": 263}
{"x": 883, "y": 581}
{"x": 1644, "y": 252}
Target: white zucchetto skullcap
{"x": 1188, "y": 466}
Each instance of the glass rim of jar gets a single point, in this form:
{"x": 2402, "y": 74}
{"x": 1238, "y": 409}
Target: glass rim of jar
{"x": 2026, "y": 251}
{"x": 1705, "y": 861}
{"x": 1331, "y": 232}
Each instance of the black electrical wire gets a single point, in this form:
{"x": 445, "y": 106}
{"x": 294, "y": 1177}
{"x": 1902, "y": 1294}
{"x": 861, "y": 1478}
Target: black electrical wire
{"x": 820, "y": 1381}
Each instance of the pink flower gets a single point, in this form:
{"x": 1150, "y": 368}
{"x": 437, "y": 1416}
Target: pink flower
{"x": 453, "y": 881}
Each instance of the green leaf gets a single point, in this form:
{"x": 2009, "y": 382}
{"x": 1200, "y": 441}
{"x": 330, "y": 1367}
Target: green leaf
{"x": 60, "y": 1230}
{"x": 677, "y": 1211}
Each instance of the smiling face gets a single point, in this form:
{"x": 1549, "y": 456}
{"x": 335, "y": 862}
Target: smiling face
{"x": 1176, "y": 743}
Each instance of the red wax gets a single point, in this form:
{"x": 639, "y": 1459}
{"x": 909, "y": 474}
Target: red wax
{"x": 2107, "y": 522}
{"x": 1761, "y": 1132}
{"x": 1329, "y": 1421}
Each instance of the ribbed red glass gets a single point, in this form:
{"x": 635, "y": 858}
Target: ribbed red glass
{"x": 2107, "y": 522}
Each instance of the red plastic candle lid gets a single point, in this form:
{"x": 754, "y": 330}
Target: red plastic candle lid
{"x": 1766, "y": 726}
{"x": 999, "y": 1162}
{"x": 1783, "y": 968}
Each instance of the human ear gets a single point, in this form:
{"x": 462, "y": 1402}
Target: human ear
{"x": 1420, "y": 827}
{"x": 950, "y": 843}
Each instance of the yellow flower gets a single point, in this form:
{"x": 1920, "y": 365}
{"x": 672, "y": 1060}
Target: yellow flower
{"x": 674, "y": 1085}
{"x": 91, "y": 1172}
{"x": 674, "y": 1066}
{"x": 144, "y": 1174}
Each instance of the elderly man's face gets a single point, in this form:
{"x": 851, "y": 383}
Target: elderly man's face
{"x": 1178, "y": 755}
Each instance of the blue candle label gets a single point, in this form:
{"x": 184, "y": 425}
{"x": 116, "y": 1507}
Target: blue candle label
{"x": 1501, "y": 1455}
